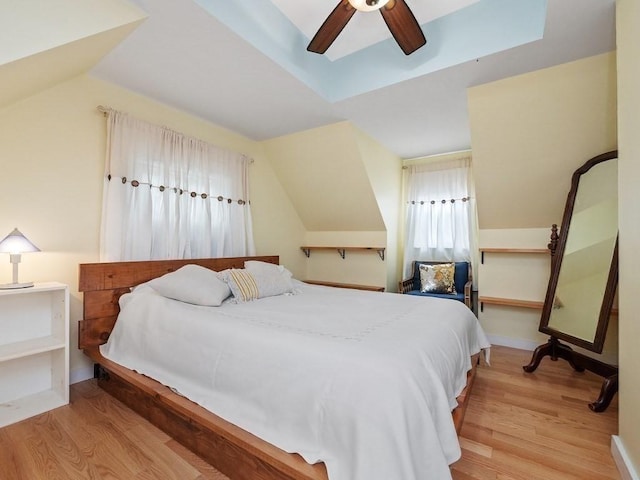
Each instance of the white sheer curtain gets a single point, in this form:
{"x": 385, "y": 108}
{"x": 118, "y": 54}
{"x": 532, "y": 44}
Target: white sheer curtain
{"x": 441, "y": 213}
{"x": 167, "y": 195}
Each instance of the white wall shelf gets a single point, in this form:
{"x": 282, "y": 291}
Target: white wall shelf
{"x": 34, "y": 350}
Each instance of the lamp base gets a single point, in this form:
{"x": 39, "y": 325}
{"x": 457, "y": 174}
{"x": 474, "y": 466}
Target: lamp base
{"x": 8, "y": 286}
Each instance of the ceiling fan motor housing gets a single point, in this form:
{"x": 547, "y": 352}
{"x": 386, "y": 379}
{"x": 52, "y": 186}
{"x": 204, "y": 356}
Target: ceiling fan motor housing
{"x": 368, "y": 5}
{"x": 397, "y": 15}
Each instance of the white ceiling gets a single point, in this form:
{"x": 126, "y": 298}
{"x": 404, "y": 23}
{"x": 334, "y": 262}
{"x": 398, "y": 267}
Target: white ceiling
{"x": 185, "y": 56}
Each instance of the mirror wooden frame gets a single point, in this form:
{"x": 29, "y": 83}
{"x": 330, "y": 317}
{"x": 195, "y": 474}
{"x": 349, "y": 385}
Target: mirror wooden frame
{"x": 553, "y": 347}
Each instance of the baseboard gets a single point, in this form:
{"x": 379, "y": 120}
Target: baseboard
{"x": 623, "y": 462}
{"x": 513, "y": 342}
{"x": 531, "y": 345}
{"x": 80, "y": 374}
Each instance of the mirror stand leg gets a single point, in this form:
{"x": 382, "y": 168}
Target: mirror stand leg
{"x": 540, "y": 352}
{"x": 554, "y": 349}
{"x": 608, "y": 390}
{"x": 566, "y": 352}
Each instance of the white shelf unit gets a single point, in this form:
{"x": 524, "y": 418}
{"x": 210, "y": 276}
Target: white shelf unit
{"x": 34, "y": 350}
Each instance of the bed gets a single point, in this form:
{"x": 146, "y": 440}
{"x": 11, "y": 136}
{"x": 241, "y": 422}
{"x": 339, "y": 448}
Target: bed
{"x": 367, "y": 398}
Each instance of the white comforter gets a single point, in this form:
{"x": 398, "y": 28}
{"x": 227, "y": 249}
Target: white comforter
{"x": 363, "y": 381}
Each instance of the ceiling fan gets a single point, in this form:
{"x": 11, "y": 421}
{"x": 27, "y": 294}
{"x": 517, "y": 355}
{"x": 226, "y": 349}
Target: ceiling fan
{"x": 401, "y": 22}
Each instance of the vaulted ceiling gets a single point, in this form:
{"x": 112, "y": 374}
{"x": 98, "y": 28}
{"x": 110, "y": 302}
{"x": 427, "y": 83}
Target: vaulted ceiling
{"x": 243, "y": 64}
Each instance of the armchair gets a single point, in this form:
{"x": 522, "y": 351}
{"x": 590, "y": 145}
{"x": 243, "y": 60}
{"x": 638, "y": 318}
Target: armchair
{"x": 462, "y": 282}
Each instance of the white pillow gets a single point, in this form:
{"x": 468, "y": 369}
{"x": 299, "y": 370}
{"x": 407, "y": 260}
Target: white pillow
{"x": 192, "y": 284}
{"x": 246, "y": 285}
{"x": 265, "y": 268}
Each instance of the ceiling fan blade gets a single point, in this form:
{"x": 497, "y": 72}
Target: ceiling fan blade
{"x": 403, "y": 26}
{"x": 331, "y": 27}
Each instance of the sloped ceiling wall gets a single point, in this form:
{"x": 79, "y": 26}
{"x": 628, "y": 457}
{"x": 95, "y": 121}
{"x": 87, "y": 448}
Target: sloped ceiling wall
{"x": 530, "y": 132}
{"x": 44, "y": 43}
{"x": 323, "y": 173}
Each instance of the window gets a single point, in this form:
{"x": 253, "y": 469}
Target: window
{"x": 440, "y": 213}
{"x": 167, "y": 195}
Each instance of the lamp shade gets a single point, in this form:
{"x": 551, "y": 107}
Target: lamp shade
{"x": 368, "y": 5}
{"x": 16, "y": 242}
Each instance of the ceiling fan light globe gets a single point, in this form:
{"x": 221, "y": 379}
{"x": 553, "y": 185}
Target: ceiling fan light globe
{"x": 368, "y": 5}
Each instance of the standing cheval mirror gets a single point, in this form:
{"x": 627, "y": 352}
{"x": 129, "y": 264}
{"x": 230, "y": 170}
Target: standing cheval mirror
{"x": 584, "y": 274}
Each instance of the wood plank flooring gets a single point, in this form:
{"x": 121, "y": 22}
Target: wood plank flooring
{"x": 95, "y": 437}
{"x": 518, "y": 427}
{"x": 535, "y": 426}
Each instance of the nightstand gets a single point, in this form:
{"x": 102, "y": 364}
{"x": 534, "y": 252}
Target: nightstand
{"x": 34, "y": 350}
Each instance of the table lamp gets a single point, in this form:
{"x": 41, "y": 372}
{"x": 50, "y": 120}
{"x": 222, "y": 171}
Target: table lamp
{"x": 16, "y": 244}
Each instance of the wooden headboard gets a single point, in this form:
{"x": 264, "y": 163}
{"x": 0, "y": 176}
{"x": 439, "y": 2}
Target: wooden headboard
{"x": 104, "y": 283}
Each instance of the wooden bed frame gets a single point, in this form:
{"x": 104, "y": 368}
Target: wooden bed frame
{"x": 235, "y": 452}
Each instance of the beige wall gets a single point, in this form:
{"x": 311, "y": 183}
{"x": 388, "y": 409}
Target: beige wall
{"x": 45, "y": 43}
{"x": 384, "y": 170}
{"x": 323, "y": 173}
{"x": 346, "y": 188}
{"x": 32, "y": 26}
{"x": 628, "y": 39}
{"x": 358, "y": 267}
{"x": 52, "y": 148}
{"x": 520, "y": 276}
{"x": 529, "y": 133}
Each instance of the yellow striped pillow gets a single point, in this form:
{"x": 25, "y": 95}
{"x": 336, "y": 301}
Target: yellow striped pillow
{"x": 246, "y": 287}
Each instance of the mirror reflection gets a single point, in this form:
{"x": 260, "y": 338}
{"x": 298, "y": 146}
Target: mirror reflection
{"x": 588, "y": 252}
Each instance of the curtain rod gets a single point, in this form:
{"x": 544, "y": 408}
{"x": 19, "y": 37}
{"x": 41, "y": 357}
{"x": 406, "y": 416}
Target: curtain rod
{"x": 105, "y": 110}
{"x": 434, "y": 161}
{"x": 436, "y": 155}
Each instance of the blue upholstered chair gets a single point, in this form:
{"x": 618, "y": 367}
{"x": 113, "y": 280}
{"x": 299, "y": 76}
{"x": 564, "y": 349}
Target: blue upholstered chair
{"x": 462, "y": 281}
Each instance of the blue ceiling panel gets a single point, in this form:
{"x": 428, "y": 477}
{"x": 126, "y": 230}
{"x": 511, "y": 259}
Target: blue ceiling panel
{"x": 478, "y": 30}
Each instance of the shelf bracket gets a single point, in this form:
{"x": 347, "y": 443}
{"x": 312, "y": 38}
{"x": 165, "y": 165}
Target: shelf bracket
{"x": 342, "y": 251}
{"x": 482, "y": 257}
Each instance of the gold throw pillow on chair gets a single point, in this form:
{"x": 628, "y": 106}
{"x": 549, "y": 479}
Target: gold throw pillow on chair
{"x": 437, "y": 278}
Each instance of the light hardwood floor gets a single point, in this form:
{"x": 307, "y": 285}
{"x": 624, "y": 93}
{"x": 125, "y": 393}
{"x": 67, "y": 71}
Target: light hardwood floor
{"x": 535, "y": 426}
{"x": 518, "y": 427}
